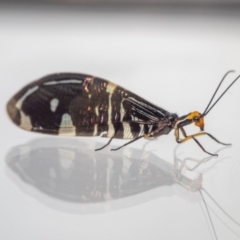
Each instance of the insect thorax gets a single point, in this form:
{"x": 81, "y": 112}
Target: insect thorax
{"x": 164, "y": 126}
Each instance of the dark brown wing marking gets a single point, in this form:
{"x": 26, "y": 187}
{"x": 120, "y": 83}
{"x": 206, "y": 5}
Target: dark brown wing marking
{"x": 82, "y": 105}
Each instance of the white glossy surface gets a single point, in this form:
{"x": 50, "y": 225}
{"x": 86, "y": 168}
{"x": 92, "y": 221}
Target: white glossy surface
{"x": 174, "y": 58}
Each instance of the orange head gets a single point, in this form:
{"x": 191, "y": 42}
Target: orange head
{"x": 197, "y": 119}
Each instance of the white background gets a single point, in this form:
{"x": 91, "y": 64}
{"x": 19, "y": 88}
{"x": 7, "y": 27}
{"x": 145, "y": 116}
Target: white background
{"x": 172, "y": 57}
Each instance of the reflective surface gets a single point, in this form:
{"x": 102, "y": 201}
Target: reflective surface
{"x": 68, "y": 176}
{"x": 68, "y": 170}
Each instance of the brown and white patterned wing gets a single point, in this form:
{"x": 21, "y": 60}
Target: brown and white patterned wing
{"x": 82, "y": 105}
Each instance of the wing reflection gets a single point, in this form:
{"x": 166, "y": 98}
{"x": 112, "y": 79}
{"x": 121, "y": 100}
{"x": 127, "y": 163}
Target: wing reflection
{"x": 70, "y": 171}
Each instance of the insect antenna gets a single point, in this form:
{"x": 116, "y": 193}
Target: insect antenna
{"x": 208, "y": 108}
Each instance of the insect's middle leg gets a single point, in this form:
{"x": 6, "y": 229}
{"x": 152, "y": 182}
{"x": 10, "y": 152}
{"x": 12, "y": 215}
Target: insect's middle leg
{"x": 135, "y": 139}
{"x": 109, "y": 141}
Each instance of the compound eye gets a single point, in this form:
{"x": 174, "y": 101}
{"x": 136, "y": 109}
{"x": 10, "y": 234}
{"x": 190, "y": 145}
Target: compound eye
{"x": 196, "y": 119}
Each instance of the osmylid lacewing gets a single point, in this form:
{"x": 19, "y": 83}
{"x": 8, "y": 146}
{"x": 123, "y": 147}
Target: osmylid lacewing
{"x": 73, "y": 104}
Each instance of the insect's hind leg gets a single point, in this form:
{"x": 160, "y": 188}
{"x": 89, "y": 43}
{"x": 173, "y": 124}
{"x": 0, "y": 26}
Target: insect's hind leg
{"x": 135, "y": 139}
{"x": 109, "y": 141}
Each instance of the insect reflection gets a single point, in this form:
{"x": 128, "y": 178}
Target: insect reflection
{"x": 63, "y": 171}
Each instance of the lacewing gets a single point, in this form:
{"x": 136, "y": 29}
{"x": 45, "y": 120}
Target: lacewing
{"x": 72, "y": 104}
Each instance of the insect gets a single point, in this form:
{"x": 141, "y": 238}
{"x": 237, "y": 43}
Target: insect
{"x": 73, "y": 104}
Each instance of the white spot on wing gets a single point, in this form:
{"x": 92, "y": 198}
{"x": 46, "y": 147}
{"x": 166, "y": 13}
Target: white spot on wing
{"x": 25, "y": 122}
{"x": 63, "y": 82}
{"x": 66, "y": 126}
{"x": 21, "y": 100}
{"x": 54, "y": 104}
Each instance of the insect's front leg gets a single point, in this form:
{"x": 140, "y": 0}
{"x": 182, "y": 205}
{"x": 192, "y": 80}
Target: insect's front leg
{"x": 183, "y": 132}
{"x": 196, "y": 135}
{"x": 194, "y": 138}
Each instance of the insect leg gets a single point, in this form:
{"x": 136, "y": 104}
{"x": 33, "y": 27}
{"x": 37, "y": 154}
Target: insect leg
{"x": 200, "y": 134}
{"x": 109, "y": 141}
{"x": 135, "y": 139}
{"x": 194, "y": 138}
{"x": 198, "y": 143}
{"x": 211, "y": 136}
{"x": 183, "y": 132}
